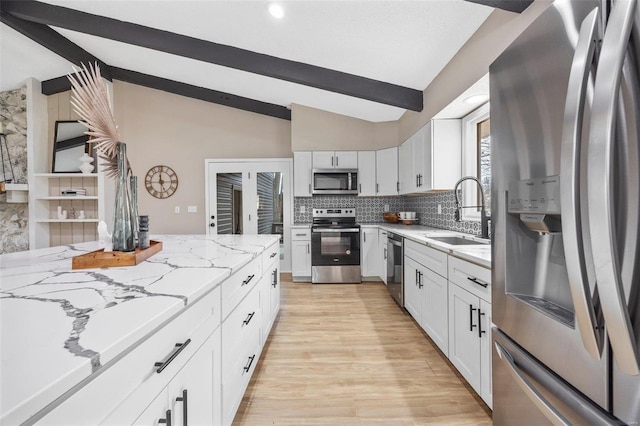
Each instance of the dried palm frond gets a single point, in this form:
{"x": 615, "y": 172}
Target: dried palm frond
{"x": 90, "y": 101}
{"x": 110, "y": 165}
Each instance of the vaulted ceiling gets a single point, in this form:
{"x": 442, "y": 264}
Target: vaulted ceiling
{"x": 366, "y": 59}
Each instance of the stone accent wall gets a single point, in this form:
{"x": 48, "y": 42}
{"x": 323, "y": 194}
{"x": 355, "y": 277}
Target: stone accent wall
{"x": 14, "y": 217}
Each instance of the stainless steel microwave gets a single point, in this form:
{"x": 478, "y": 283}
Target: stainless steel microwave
{"x": 335, "y": 181}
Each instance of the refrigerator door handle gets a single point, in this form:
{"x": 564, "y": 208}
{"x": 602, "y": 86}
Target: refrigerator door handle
{"x": 600, "y": 183}
{"x": 572, "y": 221}
{"x": 532, "y": 393}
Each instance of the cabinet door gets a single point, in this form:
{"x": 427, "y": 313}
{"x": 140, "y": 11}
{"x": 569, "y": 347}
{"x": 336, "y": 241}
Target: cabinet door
{"x": 302, "y": 174}
{"x": 367, "y": 173}
{"x": 369, "y": 251}
{"x": 435, "y": 315}
{"x": 382, "y": 255}
{"x": 464, "y": 344}
{"x": 486, "y": 386}
{"x": 387, "y": 171}
{"x": 156, "y": 411}
{"x": 405, "y": 167}
{"x": 413, "y": 294}
{"x": 301, "y": 258}
{"x": 324, "y": 159}
{"x": 446, "y": 141}
{"x": 265, "y": 304}
{"x": 346, "y": 159}
{"x": 191, "y": 391}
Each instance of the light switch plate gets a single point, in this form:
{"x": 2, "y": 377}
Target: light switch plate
{"x": 386, "y": 207}
{"x": 439, "y": 208}
{"x": 176, "y": 209}
{"x": 192, "y": 209}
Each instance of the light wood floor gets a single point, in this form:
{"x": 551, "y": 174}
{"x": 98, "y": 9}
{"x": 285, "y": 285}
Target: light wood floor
{"x": 345, "y": 354}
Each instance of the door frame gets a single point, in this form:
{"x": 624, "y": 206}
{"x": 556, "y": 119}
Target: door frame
{"x": 253, "y": 164}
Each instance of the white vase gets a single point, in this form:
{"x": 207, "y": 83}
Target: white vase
{"x": 85, "y": 164}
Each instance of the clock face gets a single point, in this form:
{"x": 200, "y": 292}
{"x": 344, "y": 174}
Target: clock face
{"x": 161, "y": 181}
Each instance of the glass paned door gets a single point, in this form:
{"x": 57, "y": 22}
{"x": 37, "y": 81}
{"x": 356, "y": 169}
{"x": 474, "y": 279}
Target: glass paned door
{"x": 269, "y": 202}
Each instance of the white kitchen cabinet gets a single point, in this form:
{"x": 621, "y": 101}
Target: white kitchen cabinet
{"x": 301, "y": 254}
{"x": 369, "y": 255}
{"x": 269, "y": 295}
{"x": 366, "y": 173}
{"x": 413, "y": 289}
{"x": 382, "y": 255}
{"x": 470, "y": 325}
{"x": 387, "y": 171}
{"x": 335, "y": 159}
{"x": 302, "y": 173}
{"x": 430, "y": 160}
{"x": 405, "y": 170}
{"x": 426, "y": 282}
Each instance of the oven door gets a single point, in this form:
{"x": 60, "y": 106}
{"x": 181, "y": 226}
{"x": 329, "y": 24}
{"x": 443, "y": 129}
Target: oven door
{"x": 332, "y": 246}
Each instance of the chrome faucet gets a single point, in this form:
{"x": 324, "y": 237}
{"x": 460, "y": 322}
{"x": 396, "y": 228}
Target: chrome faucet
{"x": 484, "y": 220}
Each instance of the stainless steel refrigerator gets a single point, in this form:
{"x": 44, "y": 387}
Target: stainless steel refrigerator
{"x": 565, "y": 128}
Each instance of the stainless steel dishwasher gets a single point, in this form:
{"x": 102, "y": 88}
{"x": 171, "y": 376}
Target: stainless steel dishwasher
{"x": 395, "y": 258}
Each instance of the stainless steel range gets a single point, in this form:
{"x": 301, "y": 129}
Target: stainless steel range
{"x": 335, "y": 246}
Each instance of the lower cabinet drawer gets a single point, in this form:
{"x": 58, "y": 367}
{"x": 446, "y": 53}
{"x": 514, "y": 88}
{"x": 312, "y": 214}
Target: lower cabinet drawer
{"x": 235, "y": 377}
{"x": 241, "y": 325}
{"x": 239, "y": 284}
{"x": 473, "y": 278}
{"x": 431, "y": 258}
{"x": 270, "y": 255}
{"x": 124, "y": 389}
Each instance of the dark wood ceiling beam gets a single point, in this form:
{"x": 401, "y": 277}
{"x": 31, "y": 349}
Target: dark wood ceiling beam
{"x": 517, "y": 6}
{"x": 206, "y": 51}
{"x": 201, "y": 93}
{"x": 53, "y": 41}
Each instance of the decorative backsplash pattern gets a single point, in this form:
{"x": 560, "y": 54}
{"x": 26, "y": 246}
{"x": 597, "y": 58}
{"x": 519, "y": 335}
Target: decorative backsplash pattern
{"x": 370, "y": 209}
{"x": 14, "y": 231}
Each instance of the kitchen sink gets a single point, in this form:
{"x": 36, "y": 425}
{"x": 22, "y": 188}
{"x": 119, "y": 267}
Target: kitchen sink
{"x": 458, "y": 241}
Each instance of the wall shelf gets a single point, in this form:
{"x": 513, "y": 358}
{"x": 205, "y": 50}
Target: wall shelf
{"x": 67, "y": 175}
{"x": 67, "y": 220}
{"x": 17, "y": 192}
{"x": 68, "y": 197}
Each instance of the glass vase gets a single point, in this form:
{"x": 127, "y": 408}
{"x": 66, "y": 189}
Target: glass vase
{"x": 123, "y": 224}
{"x": 133, "y": 180}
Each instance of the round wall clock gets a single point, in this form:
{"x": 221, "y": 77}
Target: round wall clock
{"x": 161, "y": 181}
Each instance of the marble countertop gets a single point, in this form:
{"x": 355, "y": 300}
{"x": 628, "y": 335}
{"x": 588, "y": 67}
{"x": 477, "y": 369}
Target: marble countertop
{"x": 60, "y": 326}
{"x": 478, "y": 254}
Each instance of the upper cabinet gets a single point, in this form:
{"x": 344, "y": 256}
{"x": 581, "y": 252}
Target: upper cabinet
{"x": 366, "y": 173}
{"x": 335, "y": 159}
{"x": 430, "y": 160}
{"x": 387, "y": 171}
{"x": 302, "y": 174}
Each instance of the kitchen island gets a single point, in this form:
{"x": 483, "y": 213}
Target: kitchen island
{"x": 63, "y": 328}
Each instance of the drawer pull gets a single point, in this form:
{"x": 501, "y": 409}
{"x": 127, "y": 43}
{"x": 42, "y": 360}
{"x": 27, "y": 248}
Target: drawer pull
{"x": 301, "y": 235}
{"x": 249, "y": 278}
{"x": 249, "y": 317}
{"x": 179, "y": 347}
{"x": 480, "y": 330}
{"x": 247, "y": 367}
{"x": 477, "y": 281}
{"x": 183, "y": 399}
{"x": 167, "y": 419}
{"x": 471, "y": 324}
{"x": 274, "y": 254}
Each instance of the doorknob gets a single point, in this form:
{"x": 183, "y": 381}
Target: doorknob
{"x": 213, "y": 217}
{"x": 212, "y": 224}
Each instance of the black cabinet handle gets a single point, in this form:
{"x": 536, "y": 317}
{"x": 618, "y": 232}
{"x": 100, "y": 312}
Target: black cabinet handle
{"x": 167, "y": 419}
{"x": 274, "y": 254}
{"x": 477, "y": 281}
{"x": 417, "y": 277}
{"x": 179, "y": 347}
{"x": 249, "y": 278}
{"x": 275, "y": 277}
{"x": 247, "y": 367}
{"x": 249, "y": 317}
{"x": 398, "y": 186}
{"x": 420, "y": 274}
{"x": 471, "y": 324}
{"x": 183, "y": 399}
{"x": 480, "y": 330}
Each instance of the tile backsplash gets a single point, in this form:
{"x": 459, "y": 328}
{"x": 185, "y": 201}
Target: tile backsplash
{"x": 370, "y": 209}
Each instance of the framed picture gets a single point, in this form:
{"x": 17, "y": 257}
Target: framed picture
{"x": 69, "y": 144}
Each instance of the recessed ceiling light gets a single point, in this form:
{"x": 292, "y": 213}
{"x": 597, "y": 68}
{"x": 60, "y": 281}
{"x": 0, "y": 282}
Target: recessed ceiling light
{"x": 476, "y": 99}
{"x": 276, "y": 10}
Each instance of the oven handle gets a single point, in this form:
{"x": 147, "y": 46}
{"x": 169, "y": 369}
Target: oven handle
{"x": 333, "y": 230}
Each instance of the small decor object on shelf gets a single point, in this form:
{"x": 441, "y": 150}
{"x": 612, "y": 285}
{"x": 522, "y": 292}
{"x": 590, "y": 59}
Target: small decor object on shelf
{"x": 62, "y": 214}
{"x": 161, "y": 181}
{"x": 72, "y": 213}
{"x": 85, "y": 164}
{"x": 81, "y": 215}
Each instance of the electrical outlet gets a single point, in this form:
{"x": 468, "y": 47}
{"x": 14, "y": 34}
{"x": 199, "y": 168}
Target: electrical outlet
{"x": 176, "y": 209}
{"x": 192, "y": 209}
{"x": 439, "y": 208}
{"x": 386, "y": 207}
{"x": 303, "y": 209}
